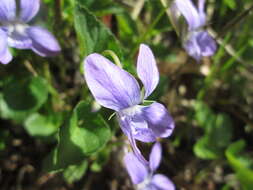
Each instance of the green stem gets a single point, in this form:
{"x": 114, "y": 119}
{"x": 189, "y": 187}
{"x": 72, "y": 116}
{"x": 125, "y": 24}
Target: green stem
{"x": 114, "y": 57}
{"x": 150, "y": 28}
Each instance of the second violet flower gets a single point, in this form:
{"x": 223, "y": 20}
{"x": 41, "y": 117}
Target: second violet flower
{"x": 196, "y": 41}
{"x": 16, "y": 33}
{"x": 116, "y": 89}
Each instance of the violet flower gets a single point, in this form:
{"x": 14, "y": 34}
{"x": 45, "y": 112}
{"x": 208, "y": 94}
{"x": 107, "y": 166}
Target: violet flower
{"x": 118, "y": 90}
{"x": 16, "y": 33}
{"x": 197, "y": 42}
{"x": 143, "y": 175}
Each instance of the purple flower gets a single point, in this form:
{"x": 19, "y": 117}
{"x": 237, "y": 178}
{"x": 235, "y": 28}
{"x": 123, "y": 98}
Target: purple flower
{"x": 197, "y": 42}
{"x": 117, "y": 89}
{"x": 143, "y": 175}
{"x": 15, "y": 32}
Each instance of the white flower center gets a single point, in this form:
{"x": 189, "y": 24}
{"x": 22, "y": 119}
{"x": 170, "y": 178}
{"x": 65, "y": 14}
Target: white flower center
{"x": 131, "y": 111}
{"x": 145, "y": 184}
{"x": 17, "y": 28}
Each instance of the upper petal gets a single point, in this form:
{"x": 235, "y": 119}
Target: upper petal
{"x": 201, "y": 9}
{"x": 137, "y": 171}
{"x": 5, "y": 55}
{"x": 147, "y": 69}
{"x": 161, "y": 182}
{"x": 43, "y": 42}
{"x": 155, "y": 156}
{"x": 158, "y": 119}
{"x": 28, "y": 9}
{"x": 190, "y": 13}
{"x": 7, "y": 10}
{"x": 111, "y": 86}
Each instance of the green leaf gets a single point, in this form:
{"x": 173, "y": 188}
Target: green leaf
{"x": 242, "y": 165}
{"x": 217, "y": 132}
{"x": 84, "y": 134}
{"x": 205, "y": 150}
{"x": 93, "y": 35}
{"x": 38, "y": 125}
{"x": 230, "y": 3}
{"x": 22, "y": 97}
{"x": 75, "y": 172}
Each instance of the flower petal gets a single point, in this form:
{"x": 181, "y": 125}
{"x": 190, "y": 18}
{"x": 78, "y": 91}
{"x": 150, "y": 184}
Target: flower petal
{"x": 7, "y": 10}
{"x": 206, "y": 44}
{"x": 200, "y": 44}
{"x": 5, "y": 55}
{"x": 28, "y": 9}
{"x": 201, "y": 6}
{"x": 111, "y": 86}
{"x": 158, "y": 119}
{"x": 137, "y": 171}
{"x": 190, "y": 13}
{"x": 137, "y": 124}
{"x": 155, "y": 156}
{"x": 19, "y": 40}
{"x": 161, "y": 182}
{"x": 124, "y": 123}
{"x": 43, "y": 42}
{"x": 147, "y": 69}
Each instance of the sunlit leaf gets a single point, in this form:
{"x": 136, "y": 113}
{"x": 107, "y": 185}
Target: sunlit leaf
{"x": 84, "y": 134}
{"x": 22, "y": 97}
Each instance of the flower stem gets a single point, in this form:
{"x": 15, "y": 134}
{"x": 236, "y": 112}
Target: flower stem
{"x": 114, "y": 57}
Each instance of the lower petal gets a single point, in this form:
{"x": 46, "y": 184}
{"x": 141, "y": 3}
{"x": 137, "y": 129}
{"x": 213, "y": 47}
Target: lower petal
{"x": 206, "y": 43}
{"x": 19, "y": 41}
{"x": 43, "y": 42}
{"x": 125, "y": 125}
{"x": 161, "y": 182}
{"x": 200, "y": 44}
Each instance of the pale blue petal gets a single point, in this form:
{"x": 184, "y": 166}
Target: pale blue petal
{"x": 43, "y": 42}
{"x": 155, "y": 156}
{"x": 158, "y": 119}
{"x": 28, "y": 9}
{"x": 137, "y": 171}
{"x": 111, "y": 86}
{"x": 147, "y": 69}
{"x": 7, "y": 10}
{"x": 161, "y": 182}
{"x": 190, "y": 13}
{"x": 5, "y": 55}
{"x": 200, "y": 44}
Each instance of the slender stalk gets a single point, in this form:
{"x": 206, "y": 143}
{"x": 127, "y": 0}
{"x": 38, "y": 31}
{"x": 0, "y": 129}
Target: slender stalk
{"x": 30, "y": 68}
{"x": 235, "y": 21}
{"x": 114, "y": 57}
{"x": 144, "y": 36}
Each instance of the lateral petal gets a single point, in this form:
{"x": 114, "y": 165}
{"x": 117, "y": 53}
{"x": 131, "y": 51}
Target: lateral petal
{"x": 137, "y": 171}
{"x": 147, "y": 69}
{"x": 28, "y": 9}
{"x": 5, "y": 55}
{"x": 158, "y": 119}
{"x": 155, "y": 156}
{"x": 7, "y": 10}
{"x": 43, "y": 42}
{"x": 111, "y": 86}
{"x": 161, "y": 182}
